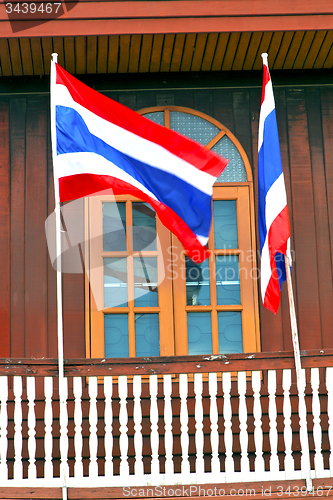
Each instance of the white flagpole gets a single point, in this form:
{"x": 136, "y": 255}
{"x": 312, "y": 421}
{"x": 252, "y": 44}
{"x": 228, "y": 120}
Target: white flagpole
{"x": 62, "y": 380}
{"x": 300, "y": 387}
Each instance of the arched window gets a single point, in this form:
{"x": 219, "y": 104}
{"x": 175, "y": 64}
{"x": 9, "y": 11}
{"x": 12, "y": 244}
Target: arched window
{"x": 146, "y": 298}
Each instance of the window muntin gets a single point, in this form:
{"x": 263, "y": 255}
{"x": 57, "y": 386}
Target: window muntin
{"x": 205, "y": 309}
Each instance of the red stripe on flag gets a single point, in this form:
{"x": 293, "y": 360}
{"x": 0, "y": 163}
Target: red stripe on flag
{"x": 266, "y": 78}
{"x": 77, "y": 186}
{"x": 123, "y": 117}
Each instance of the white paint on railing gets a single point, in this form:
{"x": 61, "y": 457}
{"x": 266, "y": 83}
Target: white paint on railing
{"x": 259, "y": 464}
{"x": 18, "y": 463}
{"x": 78, "y": 441}
{"x": 289, "y": 465}
{"x": 3, "y": 427}
{"x": 154, "y": 438}
{"x": 63, "y": 395}
{"x": 108, "y": 418}
{"x": 185, "y": 466}
{"x": 305, "y": 456}
{"x": 329, "y": 387}
{"x": 93, "y": 419}
{"x": 199, "y": 443}
{"x": 271, "y": 385}
{"x": 168, "y": 439}
{"x": 317, "y": 434}
{"x": 48, "y": 420}
{"x": 123, "y": 419}
{"x": 227, "y": 413}
{"x": 243, "y": 436}
{"x": 32, "y": 473}
{"x": 214, "y": 434}
{"x": 137, "y": 417}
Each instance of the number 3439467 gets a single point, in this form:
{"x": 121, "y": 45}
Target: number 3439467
{"x": 32, "y": 8}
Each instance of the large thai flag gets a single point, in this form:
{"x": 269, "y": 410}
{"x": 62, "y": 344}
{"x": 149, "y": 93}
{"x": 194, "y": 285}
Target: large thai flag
{"x": 100, "y": 144}
{"x": 274, "y": 227}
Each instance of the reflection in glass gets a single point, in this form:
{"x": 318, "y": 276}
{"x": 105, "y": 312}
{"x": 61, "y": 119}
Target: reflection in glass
{"x": 199, "y": 333}
{"x": 145, "y": 282}
{"x": 114, "y": 226}
{"x": 225, "y": 223}
{"x": 115, "y": 282}
{"x": 230, "y": 332}
{"x": 144, "y": 227}
{"x": 147, "y": 341}
{"x": 197, "y": 283}
{"x": 116, "y": 336}
{"x": 227, "y": 279}
{"x": 156, "y": 117}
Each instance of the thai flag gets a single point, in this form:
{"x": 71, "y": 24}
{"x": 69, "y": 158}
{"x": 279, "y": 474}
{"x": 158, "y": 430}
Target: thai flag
{"x": 274, "y": 227}
{"x": 100, "y": 144}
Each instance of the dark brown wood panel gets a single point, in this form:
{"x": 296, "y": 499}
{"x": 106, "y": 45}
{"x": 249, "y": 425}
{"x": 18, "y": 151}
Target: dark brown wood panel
{"x": 305, "y": 265}
{"x": 325, "y": 279}
{"x": 35, "y": 216}
{"x": 17, "y": 225}
{"x": 4, "y": 230}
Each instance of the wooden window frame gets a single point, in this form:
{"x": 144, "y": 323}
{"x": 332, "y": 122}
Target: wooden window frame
{"x": 172, "y": 290}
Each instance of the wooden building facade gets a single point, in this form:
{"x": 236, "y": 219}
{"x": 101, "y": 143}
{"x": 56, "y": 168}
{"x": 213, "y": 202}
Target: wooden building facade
{"x": 201, "y": 59}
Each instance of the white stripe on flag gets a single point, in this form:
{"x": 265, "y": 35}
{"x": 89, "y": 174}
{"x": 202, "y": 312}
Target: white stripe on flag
{"x": 267, "y": 107}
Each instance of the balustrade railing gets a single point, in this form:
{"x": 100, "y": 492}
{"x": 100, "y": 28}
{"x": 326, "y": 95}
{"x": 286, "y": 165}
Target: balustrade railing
{"x": 165, "y": 421}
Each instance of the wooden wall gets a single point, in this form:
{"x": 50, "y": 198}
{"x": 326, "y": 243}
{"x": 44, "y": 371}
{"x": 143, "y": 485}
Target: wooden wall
{"x": 28, "y": 282}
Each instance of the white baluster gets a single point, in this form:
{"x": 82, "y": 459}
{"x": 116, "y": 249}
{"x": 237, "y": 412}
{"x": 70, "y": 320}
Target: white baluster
{"x": 123, "y": 419}
{"x": 32, "y": 473}
{"x": 273, "y": 438}
{"x": 63, "y": 395}
{"x": 78, "y": 441}
{"x": 243, "y": 436}
{"x": 289, "y": 465}
{"x": 185, "y": 467}
{"x": 199, "y": 441}
{"x": 214, "y": 433}
{"x": 329, "y": 387}
{"x": 227, "y": 413}
{"x": 317, "y": 436}
{"x": 3, "y": 427}
{"x": 137, "y": 417}
{"x": 305, "y": 457}
{"x": 18, "y": 468}
{"x": 108, "y": 417}
{"x": 259, "y": 464}
{"x": 93, "y": 418}
{"x": 168, "y": 439}
{"x": 154, "y": 438}
{"x": 48, "y": 420}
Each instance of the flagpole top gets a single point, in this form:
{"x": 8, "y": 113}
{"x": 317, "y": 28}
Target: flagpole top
{"x": 264, "y": 56}
{"x": 54, "y": 57}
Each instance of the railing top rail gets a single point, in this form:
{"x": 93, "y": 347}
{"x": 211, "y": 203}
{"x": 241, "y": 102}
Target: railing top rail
{"x": 161, "y": 365}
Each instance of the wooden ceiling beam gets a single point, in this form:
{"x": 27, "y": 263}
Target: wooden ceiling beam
{"x": 93, "y": 27}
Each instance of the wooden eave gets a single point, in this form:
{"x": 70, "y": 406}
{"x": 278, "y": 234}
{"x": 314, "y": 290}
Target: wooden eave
{"x": 161, "y": 36}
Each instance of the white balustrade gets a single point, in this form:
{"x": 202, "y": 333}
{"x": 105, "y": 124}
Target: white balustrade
{"x": 235, "y": 401}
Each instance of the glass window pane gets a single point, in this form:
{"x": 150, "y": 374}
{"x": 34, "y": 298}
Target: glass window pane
{"x": 147, "y": 340}
{"x": 199, "y": 332}
{"x": 225, "y": 223}
{"x": 197, "y": 283}
{"x": 115, "y": 282}
{"x": 230, "y": 332}
{"x": 116, "y": 336}
{"x": 227, "y": 279}
{"x": 145, "y": 282}
{"x": 193, "y": 127}
{"x": 157, "y": 117}
{"x": 144, "y": 227}
{"x": 114, "y": 226}
{"x": 235, "y": 171}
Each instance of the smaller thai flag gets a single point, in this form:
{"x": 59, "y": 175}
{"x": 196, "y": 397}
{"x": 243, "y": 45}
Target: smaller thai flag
{"x": 100, "y": 144}
{"x": 274, "y": 227}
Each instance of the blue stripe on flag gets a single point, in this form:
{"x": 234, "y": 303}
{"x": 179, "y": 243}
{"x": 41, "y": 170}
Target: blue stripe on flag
{"x": 269, "y": 168}
{"x": 189, "y": 203}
